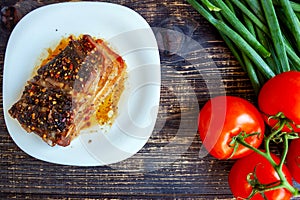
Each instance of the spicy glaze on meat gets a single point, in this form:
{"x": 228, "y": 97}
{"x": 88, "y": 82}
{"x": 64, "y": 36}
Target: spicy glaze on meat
{"x": 68, "y": 89}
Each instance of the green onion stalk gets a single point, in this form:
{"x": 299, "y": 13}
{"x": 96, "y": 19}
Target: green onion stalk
{"x": 264, "y": 36}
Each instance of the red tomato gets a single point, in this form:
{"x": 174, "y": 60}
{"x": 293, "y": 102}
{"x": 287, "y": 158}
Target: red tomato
{"x": 293, "y": 159}
{"x": 224, "y": 117}
{"x": 281, "y": 94}
{"x": 265, "y": 174}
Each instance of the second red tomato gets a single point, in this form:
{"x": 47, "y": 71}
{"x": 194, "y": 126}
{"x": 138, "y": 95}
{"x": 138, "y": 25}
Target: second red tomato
{"x": 265, "y": 174}
{"x": 293, "y": 159}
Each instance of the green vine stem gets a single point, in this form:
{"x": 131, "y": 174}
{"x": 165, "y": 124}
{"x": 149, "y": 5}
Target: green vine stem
{"x": 284, "y": 137}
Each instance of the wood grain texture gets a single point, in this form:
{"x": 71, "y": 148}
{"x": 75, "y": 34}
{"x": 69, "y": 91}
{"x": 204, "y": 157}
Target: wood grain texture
{"x": 174, "y": 169}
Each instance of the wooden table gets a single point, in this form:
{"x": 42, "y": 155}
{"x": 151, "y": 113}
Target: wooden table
{"x": 177, "y": 170}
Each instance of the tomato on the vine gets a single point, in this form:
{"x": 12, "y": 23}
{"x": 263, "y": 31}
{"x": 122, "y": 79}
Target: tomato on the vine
{"x": 254, "y": 165}
{"x": 224, "y": 117}
{"x": 293, "y": 159}
{"x": 281, "y": 94}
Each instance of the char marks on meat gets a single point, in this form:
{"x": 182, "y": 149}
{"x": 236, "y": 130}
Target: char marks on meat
{"x": 61, "y": 96}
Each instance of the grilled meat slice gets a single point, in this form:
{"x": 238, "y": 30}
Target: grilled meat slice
{"x": 73, "y": 67}
{"x": 47, "y": 112}
{"x": 58, "y": 100}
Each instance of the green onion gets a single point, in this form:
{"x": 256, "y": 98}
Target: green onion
{"x": 292, "y": 21}
{"x": 230, "y": 6}
{"x": 249, "y": 25}
{"x": 251, "y": 16}
{"x": 210, "y": 6}
{"x": 264, "y": 36}
{"x": 295, "y": 6}
{"x": 276, "y": 35}
{"x": 235, "y": 37}
{"x": 256, "y": 8}
{"x": 241, "y": 29}
{"x": 250, "y": 69}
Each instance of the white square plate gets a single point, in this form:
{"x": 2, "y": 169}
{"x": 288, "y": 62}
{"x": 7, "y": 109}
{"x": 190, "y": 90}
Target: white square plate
{"x": 130, "y": 36}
